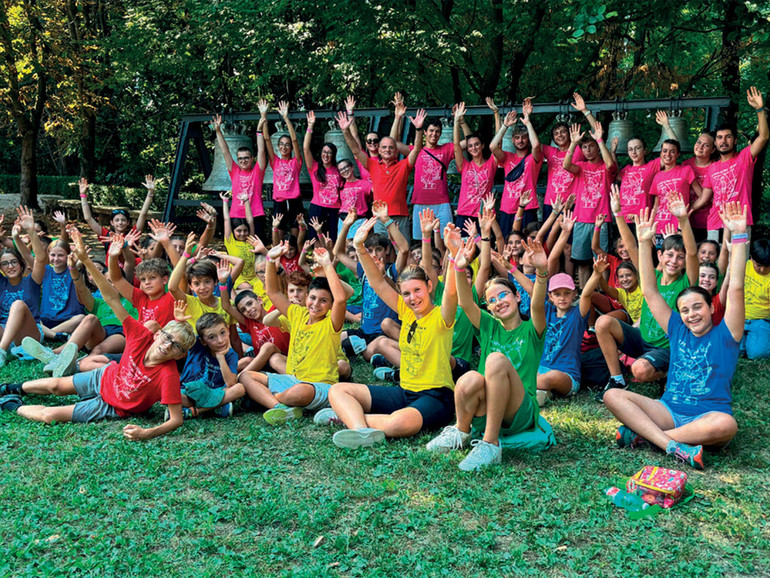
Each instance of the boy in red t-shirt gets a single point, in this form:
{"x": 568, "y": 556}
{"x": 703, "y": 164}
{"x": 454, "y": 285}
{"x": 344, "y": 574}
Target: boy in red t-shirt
{"x": 147, "y": 373}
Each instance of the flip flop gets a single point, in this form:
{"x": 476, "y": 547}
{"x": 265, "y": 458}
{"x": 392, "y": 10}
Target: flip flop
{"x": 10, "y": 402}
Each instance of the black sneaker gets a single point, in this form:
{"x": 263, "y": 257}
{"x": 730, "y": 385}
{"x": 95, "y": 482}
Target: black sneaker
{"x": 10, "y": 389}
{"x": 10, "y": 402}
{"x": 611, "y": 384}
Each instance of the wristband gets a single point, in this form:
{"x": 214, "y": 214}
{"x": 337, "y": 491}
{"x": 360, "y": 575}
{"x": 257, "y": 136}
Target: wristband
{"x": 599, "y": 140}
{"x": 309, "y": 129}
{"x": 192, "y": 261}
{"x": 303, "y": 228}
{"x": 739, "y": 241}
{"x": 83, "y": 195}
{"x": 269, "y": 260}
{"x": 477, "y": 238}
{"x": 460, "y": 270}
{"x": 760, "y": 109}
{"x": 186, "y": 255}
{"x": 740, "y": 238}
{"x": 597, "y": 228}
{"x": 518, "y": 218}
{"x": 485, "y": 239}
{"x": 349, "y": 112}
{"x": 541, "y": 276}
{"x": 586, "y": 112}
{"x": 426, "y": 239}
{"x": 259, "y": 132}
{"x": 74, "y": 278}
{"x": 450, "y": 259}
{"x": 511, "y": 270}
{"x": 276, "y": 229}
{"x": 222, "y": 287}
{"x": 388, "y": 223}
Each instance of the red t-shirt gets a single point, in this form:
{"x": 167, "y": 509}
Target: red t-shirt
{"x": 719, "y": 310}
{"x": 389, "y": 184}
{"x": 261, "y": 334}
{"x": 160, "y": 310}
{"x": 131, "y": 387}
{"x": 291, "y": 265}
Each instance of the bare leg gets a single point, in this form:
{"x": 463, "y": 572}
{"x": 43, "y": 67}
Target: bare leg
{"x": 47, "y": 414}
{"x": 504, "y": 394}
{"x": 343, "y": 369}
{"x": 67, "y": 326}
{"x": 232, "y": 393}
{"x": 391, "y": 328}
{"x": 113, "y": 344}
{"x": 49, "y": 386}
{"x": 88, "y": 332}
{"x": 470, "y": 399}
{"x": 255, "y": 385}
{"x": 557, "y": 381}
{"x": 300, "y": 395}
{"x": 278, "y": 362}
{"x": 405, "y": 422}
{"x": 263, "y": 357}
{"x": 609, "y": 334}
{"x": 386, "y": 347}
{"x": 91, "y": 362}
{"x": 20, "y": 324}
{"x": 644, "y": 371}
{"x": 351, "y": 401}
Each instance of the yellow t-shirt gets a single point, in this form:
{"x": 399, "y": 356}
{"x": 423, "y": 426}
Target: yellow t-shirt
{"x": 242, "y": 250}
{"x": 196, "y": 308}
{"x": 260, "y": 291}
{"x": 285, "y": 326}
{"x": 757, "y": 293}
{"x": 426, "y": 345}
{"x": 313, "y": 348}
{"x": 632, "y": 302}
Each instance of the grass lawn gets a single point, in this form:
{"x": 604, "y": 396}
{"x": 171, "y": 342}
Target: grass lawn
{"x": 238, "y": 496}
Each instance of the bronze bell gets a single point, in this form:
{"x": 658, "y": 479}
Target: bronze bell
{"x": 219, "y": 179}
{"x": 681, "y": 130}
{"x": 334, "y": 136}
{"x": 621, "y": 128}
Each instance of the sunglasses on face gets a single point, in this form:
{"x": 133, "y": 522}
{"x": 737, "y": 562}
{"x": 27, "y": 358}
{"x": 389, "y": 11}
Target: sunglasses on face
{"x": 372, "y": 140}
{"x": 500, "y": 296}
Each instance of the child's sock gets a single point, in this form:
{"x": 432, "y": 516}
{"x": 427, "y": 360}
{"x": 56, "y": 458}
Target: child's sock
{"x": 618, "y": 378}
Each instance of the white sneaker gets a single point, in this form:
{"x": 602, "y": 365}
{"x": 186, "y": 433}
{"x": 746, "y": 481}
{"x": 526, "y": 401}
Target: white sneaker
{"x": 543, "y": 397}
{"x": 449, "y": 439}
{"x": 38, "y": 350}
{"x": 482, "y": 455}
{"x": 65, "y": 363}
{"x": 358, "y": 438}
{"x": 327, "y": 416}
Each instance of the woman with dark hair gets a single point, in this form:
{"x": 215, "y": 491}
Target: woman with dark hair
{"x": 327, "y": 183}
{"x": 695, "y": 410}
{"x": 424, "y": 399}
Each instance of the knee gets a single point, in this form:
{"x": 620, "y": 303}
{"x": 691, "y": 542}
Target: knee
{"x": 48, "y": 415}
{"x": 469, "y": 385}
{"x": 496, "y": 363}
{"x": 297, "y": 395}
{"x": 269, "y": 348}
{"x": 18, "y": 307}
{"x": 238, "y": 390}
{"x": 344, "y": 369}
{"x": 399, "y": 426}
{"x": 604, "y": 323}
{"x": 90, "y": 320}
{"x": 724, "y": 427}
{"x": 643, "y": 370}
{"x": 613, "y": 397}
{"x": 340, "y": 390}
{"x": 58, "y": 388}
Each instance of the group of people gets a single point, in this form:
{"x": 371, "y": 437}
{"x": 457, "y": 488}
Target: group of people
{"x": 475, "y": 318}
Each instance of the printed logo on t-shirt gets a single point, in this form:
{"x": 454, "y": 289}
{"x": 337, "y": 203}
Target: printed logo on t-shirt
{"x": 431, "y": 172}
{"x": 129, "y": 379}
{"x": 59, "y": 292}
{"x": 553, "y": 339}
{"x": 283, "y": 177}
{"x": 724, "y": 182}
{"x": 632, "y": 189}
{"x": 692, "y": 371}
{"x": 477, "y": 180}
{"x": 594, "y": 187}
{"x": 8, "y": 298}
{"x": 149, "y": 313}
{"x": 329, "y": 192}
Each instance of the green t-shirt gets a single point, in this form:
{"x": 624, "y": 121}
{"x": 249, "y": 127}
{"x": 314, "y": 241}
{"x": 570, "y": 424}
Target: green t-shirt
{"x": 522, "y": 346}
{"x": 107, "y": 316}
{"x": 350, "y": 278}
{"x": 653, "y": 333}
{"x": 464, "y": 331}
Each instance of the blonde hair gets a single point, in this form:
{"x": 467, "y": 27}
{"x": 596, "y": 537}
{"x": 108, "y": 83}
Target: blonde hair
{"x": 183, "y": 331}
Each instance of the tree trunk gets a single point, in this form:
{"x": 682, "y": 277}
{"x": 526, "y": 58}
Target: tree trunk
{"x": 735, "y": 13}
{"x": 28, "y": 177}
{"x": 88, "y": 146}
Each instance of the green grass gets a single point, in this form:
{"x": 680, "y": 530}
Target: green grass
{"x": 237, "y": 496}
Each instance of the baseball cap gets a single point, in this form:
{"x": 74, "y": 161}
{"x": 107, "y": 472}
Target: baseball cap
{"x": 561, "y": 281}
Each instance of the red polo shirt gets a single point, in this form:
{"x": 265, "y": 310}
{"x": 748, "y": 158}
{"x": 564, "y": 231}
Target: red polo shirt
{"x": 389, "y": 184}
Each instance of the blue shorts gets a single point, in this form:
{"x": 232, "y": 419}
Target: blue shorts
{"x": 582, "y": 234}
{"x": 442, "y": 211}
{"x": 111, "y": 330}
{"x": 279, "y": 382}
{"x": 92, "y": 407}
{"x": 679, "y": 419}
{"x": 575, "y": 383}
{"x": 436, "y": 406}
{"x": 355, "y": 309}
{"x": 353, "y": 227}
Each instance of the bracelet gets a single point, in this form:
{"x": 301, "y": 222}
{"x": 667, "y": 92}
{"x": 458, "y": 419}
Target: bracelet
{"x": 192, "y": 261}
{"x": 740, "y": 238}
{"x": 309, "y": 129}
{"x": 388, "y": 223}
{"x": 83, "y": 195}
{"x": 349, "y": 112}
{"x": 586, "y": 112}
{"x": 450, "y": 259}
{"x": 426, "y": 239}
{"x": 302, "y": 228}
{"x": 599, "y": 140}
{"x": 541, "y": 276}
{"x": 524, "y": 207}
{"x": 259, "y": 132}
{"x": 222, "y": 287}
{"x": 276, "y": 229}
{"x": 597, "y": 228}
{"x": 477, "y": 238}
{"x": 518, "y": 218}
{"x": 739, "y": 241}
{"x": 760, "y": 109}
{"x": 75, "y": 278}
{"x": 460, "y": 270}
{"x": 186, "y": 255}
{"x": 485, "y": 239}
{"x": 511, "y": 270}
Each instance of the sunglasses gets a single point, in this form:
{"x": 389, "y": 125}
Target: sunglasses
{"x": 372, "y": 140}
{"x": 412, "y": 329}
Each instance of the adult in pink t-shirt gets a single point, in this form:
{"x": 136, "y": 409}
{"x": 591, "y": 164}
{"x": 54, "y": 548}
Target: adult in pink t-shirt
{"x": 635, "y": 182}
{"x": 731, "y": 177}
{"x": 674, "y": 179}
{"x": 704, "y": 149}
{"x": 326, "y": 181}
{"x": 287, "y": 199}
{"x": 356, "y": 194}
{"x": 478, "y": 175}
{"x": 246, "y": 175}
{"x": 527, "y": 146}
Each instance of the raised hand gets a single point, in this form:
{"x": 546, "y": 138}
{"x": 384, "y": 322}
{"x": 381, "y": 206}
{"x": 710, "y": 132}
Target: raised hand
{"x": 575, "y": 134}
{"x": 452, "y": 239}
{"x": 58, "y": 216}
{"x": 263, "y": 106}
{"x": 599, "y": 220}
{"x": 310, "y": 118}
{"x": 465, "y": 254}
{"x": 614, "y": 144}
{"x": 734, "y": 217}
{"x": 116, "y": 245}
{"x": 257, "y": 246}
{"x": 470, "y": 228}
{"x": 350, "y": 104}
{"x": 26, "y": 219}
{"x": 615, "y": 199}
{"x": 427, "y": 216}
{"x": 77, "y": 240}
{"x": 398, "y": 98}
{"x": 243, "y": 197}
{"x": 225, "y": 196}
{"x": 567, "y": 220}
{"x": 301, "y": 221}
{"x": 645, "y": 225}
{"x": 535, "y": 253}
{"x": 676, "y": 206}
{"x": 579, "y": 104}
{"x": 132, "y": 236}
{"x": 600, "y": 263}
{"x": 189, "y": 243}
{"x": 510, "y": 118}
{"x": 321, "y": 257}
{"x": 525, "y": 198}
{"x": 277, "y": 218}
{"x": 180, "y": 311}
{"x": 350, "y": 218}
{"x": 283, "y": 109}
{"x": 316, "y": 224}
{"x": 343, "y": 120}
{"x": 72, "y": 261}
{"x": 489, "y": 202}
{"x": 83, "y": 186}
{"x": 400, "y": 110}
{"x": 526, "y": 110}
{"x": 499, "y": 261}
{"x": 661, "y": 117}
{"x": 308, "y": 245}
{"x": 491, "y": 104}
{"x": 216, "y": 122}
{"x": 485, "y": 221}
{"x": 754, "y": 98}
{"x": 223, "y": 271}
{"x": 669, "y": 229}
{"x": 278, "y": 251}
{"x": 205, "y": 216}
{"x": 418, "y": 119}
{"x": 459, "y": 111}
{"x": 209, "y": 209}
{"x": 598, "y": 132}
{"x": 380, "y": 210}
{"x": 149, "y": 184}
{"x": 363, "y": 231}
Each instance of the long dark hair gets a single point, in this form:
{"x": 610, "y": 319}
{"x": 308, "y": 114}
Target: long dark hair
{"x": 321, "y": 169}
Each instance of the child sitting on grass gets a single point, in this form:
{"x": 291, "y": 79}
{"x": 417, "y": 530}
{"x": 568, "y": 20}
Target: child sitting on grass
{"x": 311, "y": 365}
{"x": 146, "y": 374}
{"x": 209, "y": 378}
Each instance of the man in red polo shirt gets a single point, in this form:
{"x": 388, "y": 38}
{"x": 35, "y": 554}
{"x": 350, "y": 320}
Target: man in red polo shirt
{"x": 389, "y": 175}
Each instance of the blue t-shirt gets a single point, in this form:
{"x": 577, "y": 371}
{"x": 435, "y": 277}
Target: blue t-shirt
{"x": 563, "y": 338}
{"x": 525, "y": 297}
{"x": 27, "y": 291}
{"x": 59, "y": 301}
{"x": 374, "y": 309}
{"x": 701, "y": 370}
{"x": 230, "y": 284}
{"x": 202, "y": 365}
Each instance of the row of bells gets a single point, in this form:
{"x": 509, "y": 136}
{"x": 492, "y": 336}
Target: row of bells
{"x": 219, "y": 179}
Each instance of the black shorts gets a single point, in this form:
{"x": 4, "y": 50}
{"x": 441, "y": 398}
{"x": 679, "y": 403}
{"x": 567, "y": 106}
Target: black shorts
{"x": 368, "y": 337}
{"x": 436, "y": 406}
{"x": 635, "y": 346}
{"x": 289, "y": 209}
{"x": 111, "y": 330}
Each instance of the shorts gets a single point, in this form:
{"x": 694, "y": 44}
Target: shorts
{"x": 353, "y": 228}
{"x": 443, "y": 212}
{"x": 92, "y": 407}
{"x": 329, "y": 218}
{"x": 403, "y": 224}
{"x": 279, "y": 382}
{"x": 355, "y": 309}
{"x": 289, "y": 208}
{"x": 202, "y": 395}
{"x": 524, "y": 420}
{"x": 368, "y": 337}
{"x": 110, "y": 330}
{"x": 575, "y": 383}
{"x": 582, "y": 233}
{"x": 635, "y": 346}
{"x": 436, "y": 406}
{"x": 680, "y": 419}
{"x": 116, "y": 357}
{"x": 506, "y": 220}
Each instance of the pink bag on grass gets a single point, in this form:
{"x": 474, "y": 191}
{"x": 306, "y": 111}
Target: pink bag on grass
{"x": 658, "y": 485}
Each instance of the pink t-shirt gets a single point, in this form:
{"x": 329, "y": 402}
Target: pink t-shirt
{"x": 285, "y": 178}
{"x": 699, "y": 219}
{"x": 526, "y": 182}
{"x": 249, "y": 182}
{"x": 559, "y": 179}
{"x": 430, "y": 186}
{"x": 326, "y": 194}
{"x": 675, "y": 180}
{"x": 592, "y": 190}
{"x": 635, "y": 185}
{"x": 356, "y": 194}
{"x": 476, "y": 184}
{"x": 363, "y": 172}
{"x": 731, "y": 181}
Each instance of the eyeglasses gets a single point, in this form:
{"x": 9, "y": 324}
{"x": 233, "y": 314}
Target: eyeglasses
{"x": 11, "y": 263}
{"x": 500, "y": 296}
{"x": 168, "y": 339}
{"x": 245, "y": 158}
{"x": 372, "y": 140}
{"x": 412, "y": 329}
{"x": 345, "y": 168}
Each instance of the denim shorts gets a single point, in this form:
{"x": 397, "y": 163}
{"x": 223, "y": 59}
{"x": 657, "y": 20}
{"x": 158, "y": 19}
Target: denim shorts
{"x": 442, "y": 211}
{"x": 575, "y": 383}
{"x": 680, "y": 419}
{"x": 92, "y": 407}
{"x": 436, "y": 406}
{"x": 279, "y": 382}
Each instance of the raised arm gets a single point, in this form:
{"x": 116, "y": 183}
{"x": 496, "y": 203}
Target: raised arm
{"x": 27, "y": 220}
{"x": 161, "y": 234}
{"x": 417, "y": 121}
{"x": 566, "y": 224}
{"x": 677, "y": 208}
{"x": 427, "y": 219}
{"x": 344, "y": 123}
{"x": 661, "y": 117}
{"x": 756, "y": 102}
{"x": 734, "y": 218}
{"x": 340, "y": 243}
{"x": 216, "y": 122}
{"x": 645, "y": 230}
{"x": 625, "y": 231}
{"x": 84, "y": 296}
{"x": 591, "y": 285}
{"x": 397, "y": 128}
{"x": 600, "y": 265}
{"x": 537, "y": 304}
{"x": 324, "y": 259}
{"x": 226, "y": 214}
{"x": 306, "y": 151}
{"x": 177, "y": 275}
{"x": 87, "y": 216}
{"x": 109, "y": 293}
{"x": 380, "y": 212}
{"x": 598, "y": 134}
{"x": 495, "y": 147}
{"x": 376, "y": 280}
{"x": 526, "y": 111}
{"x": 464, "y": 292}
{"x": 580, "y": 105}
{"x": 449, "y": 298}
{"x": 265, "y": 125}
{"x": 596, "y": 246}
{"x": 496, "y": 111}
{"x": 223, "y": 276}
{"x": 141, "y": 220}
{"x": 350, "y": 110}
{"x": 61, "y": 220}
{"x": 458, "y": 148}
{"x": 486, "y": 221}
{"x": 208, "y": 215}
{"x": 272, "y": 285}
{"x": 575, "y": 134}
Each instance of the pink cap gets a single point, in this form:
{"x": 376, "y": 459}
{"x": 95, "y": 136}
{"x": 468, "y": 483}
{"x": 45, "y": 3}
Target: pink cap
{"x": 561, "y": 281}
